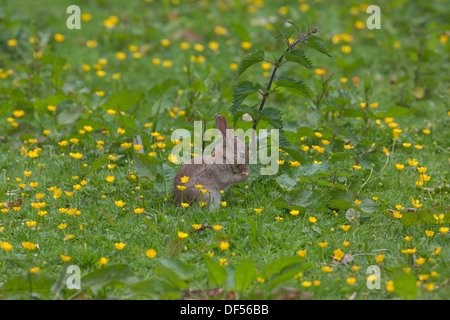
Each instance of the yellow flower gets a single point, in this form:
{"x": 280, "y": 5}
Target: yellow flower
{"x": 103, "y": 261}
{"x": 76, "y": 155}
{"x": 422, "y": 169}
{"x": 182, "y": 235}
{"x": 258, "y": 210}
{"x": 120, "y": 245}
{"x": 224, "y": 245}
{"x": 184, "y": 205}
{"x": 426, "y": 131}
{"x": 165, "y": 42}
{"x": 306, "y": 284}
{"x": 312, "y": 219}
{"x": 390, "y": 286}
{"x": 30, "y": 223}
{"x": 345, "y": 227}
{"x": 416, "y": 203}
{"x": 301, "y": 253}
{"x": 408, "y": 238}
{"x": 65, "y": 258}
{"x": 379, "y": 258}
{"x": 68, "y": 237}
{"x": 294, "y": 212}
{"x": 338, "y": 254}
{"x": 356, "y": 167}
{"x": 322, "y": 244}
{"x": 12, "y": 42}
{"x": 400, "y": 166}
{"x": 406, "y": 145}
{"x": 327, "y": 269}
{"x": 62, "y": 226}
{"x": 246, "y": 45}
{"x": 184, "y": 179}
{"x": 29, "y": 245}
{"x": 58, "y": 37}
{"x": 420, "y": 261}
{"x": 233, "y": 66}
{"x": 443, "y": 229}
{"x": 223, "y": 261}
{"x": 150, "y": 253}
{"x": 346, "y": 49}
{"x": 413, "y": 162}
{"x": 120, "y": 203}
{"x": 6, "y": 246}
{"x": 350, "y": 281}
{"x": 217, "y": 227}
{"x": 429, "y": 233}
{"x": 320, "y": 71}
{"x": 396, "y": 133}
{"x": 357, "y": 202}
{"x": 121, "y": 56}
{"x": 294, "y": 163}
{"x": 418, "y": 147}
{"x": 34, "y": 270}
{"x": 110, "y": 178}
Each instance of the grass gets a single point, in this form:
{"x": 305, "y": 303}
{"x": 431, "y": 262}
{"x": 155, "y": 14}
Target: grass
{"x": 404, "y": 62}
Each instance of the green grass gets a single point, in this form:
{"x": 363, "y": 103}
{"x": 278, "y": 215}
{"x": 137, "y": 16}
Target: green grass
{"x": 412, "y": 76}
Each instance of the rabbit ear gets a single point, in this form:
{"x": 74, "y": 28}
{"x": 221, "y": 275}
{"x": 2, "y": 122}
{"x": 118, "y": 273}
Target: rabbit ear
{"x": 222, "y": 124}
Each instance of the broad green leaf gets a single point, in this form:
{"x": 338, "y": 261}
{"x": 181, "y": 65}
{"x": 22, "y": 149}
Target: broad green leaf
{"x": 123, "y": 100}
{"x": 244, "y": 275}
{"x": 405, "y": 286}
{"x": 241, "y": 91}
{"x": 29, "y": 283}
{"x": 183, "y": 270}
{"x": 286, "y": 182}
{"x": 240, "y": 30}
{"x": 317, "y": 43}
{"x": 340, "y": 204}
{"x": 279, "y": 264}
{"x": 368, "y": 205}
{"x": 249, "y": 60}
{"x": 340, "y": 156}
{"x": 216, "y": 273}
{"x": 145, "y": 166}
{"x": 288, "y": 273}
{"x": 108, "y": 275}
{"x": 298, "y": 56}
{"x": 101, "y": 161}
{"x": 284, "y": 81}
{"x": 395, "y": 112}
{"x": 312, "y": 168}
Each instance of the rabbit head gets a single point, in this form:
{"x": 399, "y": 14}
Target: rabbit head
{"x": 232, "y": 150}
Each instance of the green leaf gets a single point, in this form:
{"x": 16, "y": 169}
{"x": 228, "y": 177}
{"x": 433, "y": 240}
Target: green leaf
{"x": 284, "y": 81}
{"x": 339, "y": 204}
{"x": 286, "y": 182}
{"x": 216, "y": 274}
{"x": 164, "y": 179}
{"x": 395, "y": 112}
{"x": 279, "y": 264}
{"x": 241, "y": 91}
{"x": 23, "y": 284}
{"x": 288, "y": 273}
{"x": 108, "y": 275}
{"x": 316, "y": 43}
{"x": 244, "y": 275}
{"x": 405, "y": 286}
{"x": 123, "y": 100}
{"x": 145, "y": 166}
{"x": 340, "y": 156}
{"x": 240, "y": 30}
{"x": 41, "y": 105}
{"x": 298, "y": 56}
{"x": 368, "y": 205}
{"x": 250, "y": 59}
{"x": 183, "y": 270}
{"x": 101, "y": 161}
{"x": 312, "y": 168}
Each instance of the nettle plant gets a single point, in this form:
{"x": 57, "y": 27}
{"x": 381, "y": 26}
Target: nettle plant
{"x": 292, "y": 54}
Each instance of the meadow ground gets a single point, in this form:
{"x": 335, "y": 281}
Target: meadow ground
{"x": 357, "y": 210}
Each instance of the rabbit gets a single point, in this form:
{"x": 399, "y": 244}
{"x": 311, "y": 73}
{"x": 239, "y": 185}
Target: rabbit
{"x": 216, "y": 176}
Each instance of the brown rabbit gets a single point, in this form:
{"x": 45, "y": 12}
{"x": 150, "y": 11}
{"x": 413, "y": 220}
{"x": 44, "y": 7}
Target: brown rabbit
{"x": 213, "y": 177}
